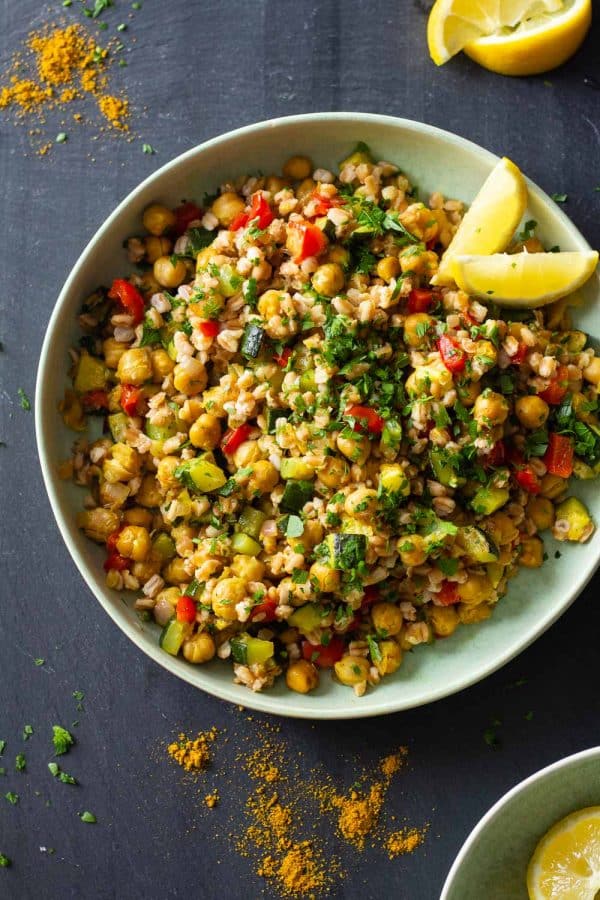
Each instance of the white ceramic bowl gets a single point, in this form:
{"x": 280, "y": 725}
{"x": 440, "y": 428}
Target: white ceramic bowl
{"x": 492, "y": 863}
{"x": 433, "y": 160}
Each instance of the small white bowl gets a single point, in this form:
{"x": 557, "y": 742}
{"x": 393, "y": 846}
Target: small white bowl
{"x": 433, "y": 160}
{"x": 492, "y": 862}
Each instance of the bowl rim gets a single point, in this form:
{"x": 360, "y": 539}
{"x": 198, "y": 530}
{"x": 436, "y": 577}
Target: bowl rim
{"x": 488, "y": 817}
{"x": 264, "y": 702}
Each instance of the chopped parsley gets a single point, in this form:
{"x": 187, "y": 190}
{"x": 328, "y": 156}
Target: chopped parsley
{"x": 12, "y": 798}
{"x": 2, "y": 747}
{"x": 20, "y": 762}
{"x": 448, "y": 565}
{"x": 528, "y": 230}
{"x": 299, "y": 576}
{"x": 61, "y": 740}
{"x": 27, "y": 732}
{"x": 61, "y": 137}
{"x": 198, "y": 239}
{"x": 4, "y": 861}
{"x": 39, "y": 661}
{"x": 56, "y": 771}
{"x": 560, "y": 198}
{"x": 24, "y": 400}
{"x": 88, "y": 817}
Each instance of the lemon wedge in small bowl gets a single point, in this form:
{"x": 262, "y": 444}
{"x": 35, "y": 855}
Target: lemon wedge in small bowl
{"x": 525, "y": 280}
{"x": 566, "y": 862}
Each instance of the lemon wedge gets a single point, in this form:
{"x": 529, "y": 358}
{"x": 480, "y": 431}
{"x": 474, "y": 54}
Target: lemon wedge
{"x": 491, "y": 220}
{"x": 566, "y": 862}
{"x": 453, "y": 24}
{"x": 538, "y": 44}
{"x": 525, "y": 280}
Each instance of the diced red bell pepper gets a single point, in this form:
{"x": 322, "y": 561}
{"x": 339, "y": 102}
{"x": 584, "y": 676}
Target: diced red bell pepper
{"x": 185, "y": 215}
{"x": 129, "y": 297}
{"x": 186, "y": 609}
{"x": 259, "y": 212}
{"x": 324, "y": 656}
{"x": 111, "y": 541}
{"x": 370, "y": 596}
{"x": 323, "y": 204}
{"x": 95, "y": 400}
{"x": 448, "y": 593}
{"x": 239, "y": 221}
{"x": 130, "y": 399}
{"x": 234, "y": 437}
{"x": 115, "y": 561}
{"x": 497, "y": 454}
{"x": 431, "y": 244}
{"x": 453, "y": 356}
{"x": 265, "y": 611}
{"x": 419, "y": 300}
{"x": 558, "y": 387}
{"x": 520, "y": 355}
{"x": 282, "y": 358}
{"x": 305, "y": 239}
{"x": 528, "y": 480}
{"x": 367, "y": 418}
{"x": 209, "y": 328}
{"x": 559, "y": 455}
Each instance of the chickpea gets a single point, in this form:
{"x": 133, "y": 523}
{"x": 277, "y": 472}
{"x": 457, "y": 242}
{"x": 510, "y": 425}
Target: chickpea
{"x": 325, "y": 578}
{"x": 592, "y": 372}
{"x": 502, "y": 528}
{"x": 174, "y": 572}
{"x": 248, "y": 567}
{"x": 274, "y": 184}
{"x": 433, "y": 379}
{"x": 311, "y": 536}
{"x": 133, "y": 542}
{"x": 205, "y": 257}
{"x": 98, "y": 523}
{"x": 146, "y": 569}
{"x": 226, "y": 594}
{"x": 541, "y": 512}
{"x": 552, "y": 486}
{"x": 147, "y": 284}
{"x": 469, "y": 615}
{"x": 157, "y": 219}
{"x": 305, "y": 188}
{"x": 302, "y": 676}
{"x": 112, "y": 351}
{"x": 137, "y": 515}
{"x": 338, "y": 254}
{"x": 206, "y": 432}
{"x": 263, "y": 479}
{"x": 227, "y": 207}
{"x": 352, "y": 670}
{"x": 165, "y": 472}
{"x": 418, "y": 328}
{"x": 166, "y": 598}
{"x": 490, "y": 409}
{"x": 388, "y": 268}
{"x": 328, "y": 279}
{"x": 334, "y": 472}
{"x": 468, "y": 392}
{"x": 476, "y": 589}
{"x": 361, "y": 502}
{"x": 135, "y": 366}
{"x": 387, "y": 619}
{"x": 149, "y": 494}
{"x": 297, "y": 168}
{"x": 169, "y": 272}
{"x": 190, "y": 377}
{"x": 412, "y": 550}
{"x": 122, "y": 464}
{"x": 247, "y": 453}
{"x": 356, "y": 447}
{"x": 391, "y": 657}
{"x": 443, "y": 619}
{"x": 532, "y": 553}
{"x": 157, "y": 246}
{"x": 199, "y": 649}
{"x": 532, "y": 411}
{"x": 162, "y": 365}
{"x": 269, "y": 304}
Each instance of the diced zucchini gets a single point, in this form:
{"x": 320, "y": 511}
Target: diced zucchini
{"x": 160, "y": 432}
{"x": 391, "y": 434}
{"x": 252, "y": 341}
{"x": 346, "y": 551}
{"x": 172, "y": 636}
{"x": 443, "y": 471}
{"x": 293, "y": 467}
{"x": 251, "y": 521}
{"x": 393, "y": 480}
{"x": 488, "y": 499}
{"x": 272, "y": 415}
{"x": 477, "y": 545}
{"x": 163, "y": 547}
{"x": 495, "y": 573}
{"x": 205, "y": 475}
{"x": 575, "y": 513}
{"x": 355, "y": 526}
{"x": 249, "y": 650}
{"x": 230, "y": 282}
{"x": 584, "y": 472}
{"x": 307, "y": 618}
{"x": 296, "y": 494}
{"x": 118, "y": 422}
{"x": 307, "y": 381}
{"x": 90, "y": 374}
{"x": 243, "y": 543}
{"x": 361, "y": 154}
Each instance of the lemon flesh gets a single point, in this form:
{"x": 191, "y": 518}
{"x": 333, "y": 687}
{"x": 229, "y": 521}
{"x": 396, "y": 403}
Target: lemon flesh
{"x": 453, "y": 24}
{"x": 566, "y": 862}
{"x": 538, "y": 45}
{"x": 525, "y": 280}
{"x": 490, "y": 221}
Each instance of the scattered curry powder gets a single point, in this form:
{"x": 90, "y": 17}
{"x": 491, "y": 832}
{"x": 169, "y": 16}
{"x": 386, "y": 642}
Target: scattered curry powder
{"x": 404, "y": 841}
{"x": 299, "y": 873}
{"x": 212, "y": 799}
{"x": 193, "y": 754}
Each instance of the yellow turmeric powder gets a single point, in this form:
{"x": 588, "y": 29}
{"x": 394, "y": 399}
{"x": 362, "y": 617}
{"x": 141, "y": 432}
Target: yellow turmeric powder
{"x": 404, "y": 841}
{"x": 192, "y": 754}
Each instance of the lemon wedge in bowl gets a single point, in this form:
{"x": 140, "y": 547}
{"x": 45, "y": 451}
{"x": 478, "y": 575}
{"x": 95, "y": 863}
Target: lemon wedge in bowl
{"x": 525, "y": 280}
{"x": 566, "y": 862}
{"x": 490, "y": 221}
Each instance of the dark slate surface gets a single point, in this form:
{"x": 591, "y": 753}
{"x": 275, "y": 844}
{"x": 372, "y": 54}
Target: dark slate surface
{"x": 200, "y": 69}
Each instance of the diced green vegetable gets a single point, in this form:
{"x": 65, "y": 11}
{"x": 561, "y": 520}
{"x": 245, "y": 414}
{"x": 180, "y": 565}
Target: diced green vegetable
{"x": 442, "y": 469}
{"x": 201, "y": 474}
{"x": 172, "y": 636}
{"x": 160, "y": 432}
{"x": 495, "y": 572}
{"x": 478, "y": 545}
{"x": 230, "y": 282}
{"x": 293, "y": 467}
{"x": 346, "y": 551}
{"x": 307, "y": 618}
{"x": 576, "y": 514}
{"x": 393, "y": 480}
{"x": 250, "y": 650}
{"x": 272, "y": 415}
{"x": 584, "y": 472}
{"x": 488, "y": 499}
{"x": 118, "y": 422}
{"x": 307, "y": 380}
{"x": 361, "y": 154}
{"x": 243, "y": 543}
{"x": 391, "y": 434}
{"x": 252, "y": 341}
{"x": 251, "y": 521}
{"x": 296, "y": 494}
{"x": 90, "y": 374}
{"x": 163, "y": 547}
